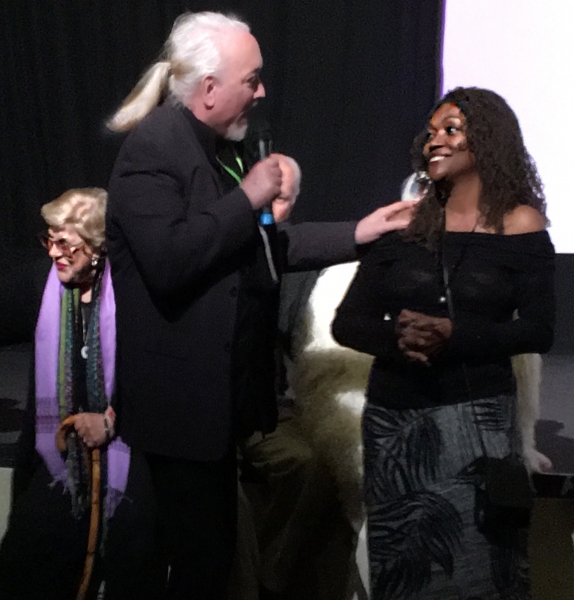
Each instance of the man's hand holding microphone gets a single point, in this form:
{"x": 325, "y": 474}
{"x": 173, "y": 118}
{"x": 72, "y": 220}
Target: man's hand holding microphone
{"x": 263, "y": 182}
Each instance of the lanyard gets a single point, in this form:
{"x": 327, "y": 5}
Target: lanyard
{"x": 265, "y": 217}
{"x": 238, "y": 178}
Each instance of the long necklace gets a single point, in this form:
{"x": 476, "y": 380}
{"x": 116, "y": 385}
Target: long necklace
{"x": 85, "y": 318}
{"x": 475, "y": 226}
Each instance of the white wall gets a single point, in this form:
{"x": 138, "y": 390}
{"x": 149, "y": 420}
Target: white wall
{"x": 524, "y": 50}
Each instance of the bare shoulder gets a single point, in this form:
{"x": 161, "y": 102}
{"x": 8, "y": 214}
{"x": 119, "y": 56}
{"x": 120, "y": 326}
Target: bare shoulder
{"x": 523, "y": 219}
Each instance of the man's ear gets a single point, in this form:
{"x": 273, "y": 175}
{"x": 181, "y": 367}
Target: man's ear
{"x": 208, "y": 88}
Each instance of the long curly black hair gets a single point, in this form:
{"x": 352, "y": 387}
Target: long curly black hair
{"x": 508, "y": 173}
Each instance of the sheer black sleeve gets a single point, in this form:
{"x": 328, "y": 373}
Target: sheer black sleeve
{"x": 364, "y": 320}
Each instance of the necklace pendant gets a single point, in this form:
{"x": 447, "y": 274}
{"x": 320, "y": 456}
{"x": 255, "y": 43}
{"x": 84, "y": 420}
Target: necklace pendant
{"x": 84, "y": 352}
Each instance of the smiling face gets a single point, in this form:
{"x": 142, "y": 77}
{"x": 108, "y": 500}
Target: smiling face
{"x": 446, "y": 148}
{"x": 70, "y": 253}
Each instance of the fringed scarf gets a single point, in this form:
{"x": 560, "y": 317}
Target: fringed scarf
{"x": 55, "y": 352}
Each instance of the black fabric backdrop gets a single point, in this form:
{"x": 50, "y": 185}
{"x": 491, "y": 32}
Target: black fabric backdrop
{"x": 348, "y": 85}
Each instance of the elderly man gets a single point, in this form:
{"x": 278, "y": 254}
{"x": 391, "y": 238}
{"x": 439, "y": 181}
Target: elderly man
{"x": 196, "y": 280}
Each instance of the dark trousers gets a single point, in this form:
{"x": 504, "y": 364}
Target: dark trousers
{"x": 43, "y": 553}
{"x": 197, "y": 502}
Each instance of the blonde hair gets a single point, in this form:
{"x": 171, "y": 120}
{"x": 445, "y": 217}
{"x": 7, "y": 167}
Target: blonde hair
{"x": 192, "y": 51}
{"x": 82, "y": 208}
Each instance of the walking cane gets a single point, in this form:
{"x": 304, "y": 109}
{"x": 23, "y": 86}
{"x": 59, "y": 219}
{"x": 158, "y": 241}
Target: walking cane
{"x": 95, "y": 475}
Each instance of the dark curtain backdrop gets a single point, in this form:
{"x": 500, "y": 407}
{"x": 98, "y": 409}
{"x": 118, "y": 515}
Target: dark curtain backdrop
{"x": 349, "y": 83}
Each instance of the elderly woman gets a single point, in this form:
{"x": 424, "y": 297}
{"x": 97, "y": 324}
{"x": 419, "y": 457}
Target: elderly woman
{"x": 80, "y": 514}
{"x": 436, "y": 306}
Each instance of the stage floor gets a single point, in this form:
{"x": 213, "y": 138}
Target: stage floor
{"x": 552, "y": 521}
{"x": 555, "y": 430}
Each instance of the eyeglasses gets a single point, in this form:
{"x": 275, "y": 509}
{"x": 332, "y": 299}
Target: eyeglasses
{"x": 62, "y": 245}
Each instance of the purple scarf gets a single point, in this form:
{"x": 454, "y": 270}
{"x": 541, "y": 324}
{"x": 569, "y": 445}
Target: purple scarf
{"x": 47, "y": 410}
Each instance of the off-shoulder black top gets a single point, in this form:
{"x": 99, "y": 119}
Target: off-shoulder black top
{"x": 502, "y": 289}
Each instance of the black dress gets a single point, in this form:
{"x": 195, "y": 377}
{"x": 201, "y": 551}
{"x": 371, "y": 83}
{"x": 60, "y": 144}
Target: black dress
{"x": 425, "y": 427}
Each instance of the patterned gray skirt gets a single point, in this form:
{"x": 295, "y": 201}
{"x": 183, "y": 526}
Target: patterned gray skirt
{"x": 431, "y": 532}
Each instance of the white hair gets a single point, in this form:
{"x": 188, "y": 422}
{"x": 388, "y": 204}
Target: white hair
{"x": 192, "y": 51}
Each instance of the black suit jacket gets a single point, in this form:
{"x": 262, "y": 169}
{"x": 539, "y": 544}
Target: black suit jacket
{"x": 177, "y": 246}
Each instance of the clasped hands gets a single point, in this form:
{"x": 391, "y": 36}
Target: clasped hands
{"x": 420, "y": 336}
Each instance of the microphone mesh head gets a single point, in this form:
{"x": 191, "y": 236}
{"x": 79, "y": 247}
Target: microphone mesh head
{"x": 259, "y": 127}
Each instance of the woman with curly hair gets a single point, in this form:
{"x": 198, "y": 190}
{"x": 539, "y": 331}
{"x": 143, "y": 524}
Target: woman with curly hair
{"x": 443, "y": 306}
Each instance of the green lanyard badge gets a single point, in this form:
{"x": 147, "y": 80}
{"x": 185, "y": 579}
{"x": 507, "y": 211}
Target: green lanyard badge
{"x": 230, "y": 171}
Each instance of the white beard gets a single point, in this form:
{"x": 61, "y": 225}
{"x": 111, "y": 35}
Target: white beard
{"x": 235, "y": 132}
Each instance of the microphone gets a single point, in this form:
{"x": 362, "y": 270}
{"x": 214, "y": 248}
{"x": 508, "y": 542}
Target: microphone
{"x": 261, "y": 133}
{"x": 264, "y": 142}
{"x": 264, "y": 148}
